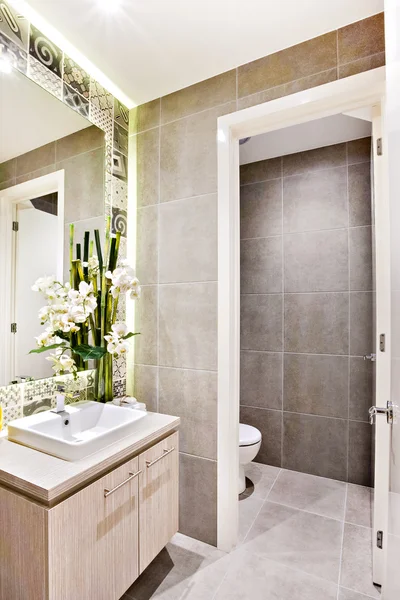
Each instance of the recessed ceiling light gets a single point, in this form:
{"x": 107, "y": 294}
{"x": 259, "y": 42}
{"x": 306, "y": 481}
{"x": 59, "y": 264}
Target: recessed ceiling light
{"x": 110, "y": 6}
{"x": 5, "y": 65}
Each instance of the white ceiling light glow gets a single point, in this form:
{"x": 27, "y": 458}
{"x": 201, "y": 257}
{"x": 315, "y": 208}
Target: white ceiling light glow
{"x": 5, "y": 65}
{"x": 110, "y": 6}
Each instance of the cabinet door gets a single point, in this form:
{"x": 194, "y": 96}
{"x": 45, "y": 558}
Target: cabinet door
{"x": 93, "y": 539}
{"x": 159, "y": 498}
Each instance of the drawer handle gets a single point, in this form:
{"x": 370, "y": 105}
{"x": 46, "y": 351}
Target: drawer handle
{"x": 153, "y": 462}
{"x": 131, "y": 476}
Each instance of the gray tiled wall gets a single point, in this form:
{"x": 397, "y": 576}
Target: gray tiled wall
{"x": 306, "y": 309}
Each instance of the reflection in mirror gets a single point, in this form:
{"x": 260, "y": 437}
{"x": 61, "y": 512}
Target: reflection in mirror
{"x": 51, "y": 174}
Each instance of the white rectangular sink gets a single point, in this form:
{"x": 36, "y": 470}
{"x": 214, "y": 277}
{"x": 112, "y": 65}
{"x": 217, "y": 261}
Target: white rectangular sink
{"x": 90, "y": 427}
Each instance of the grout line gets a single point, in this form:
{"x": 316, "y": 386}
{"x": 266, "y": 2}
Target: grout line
{"x": 283, "y": 313}
{"x": 357, "y": 592}
{"x": 294, "y": 293}
{"x": 299, "y": 353}
{"x": 213, "y": 460}
{"x": 292, "y": 233}
{"x": 199, "y": 112}
{"x": 341, "y": 546}
{"x": 175, "y": 368}
{"x": 304, "y": 510}
{"x": 167, "y": 202}
{"x": 348, "y": 316}
{"x": 292, "y": 412}
{"x": 158, "y": 262}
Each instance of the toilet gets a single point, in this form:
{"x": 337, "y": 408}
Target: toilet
{"x": 249, "y": 445}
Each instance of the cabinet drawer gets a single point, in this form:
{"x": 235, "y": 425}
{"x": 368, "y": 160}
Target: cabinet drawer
{"x": 93, "y": 538}
{"x": 159, "y": 498}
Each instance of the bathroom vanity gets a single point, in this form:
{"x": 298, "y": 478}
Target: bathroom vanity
{"x": 86, "y": 530}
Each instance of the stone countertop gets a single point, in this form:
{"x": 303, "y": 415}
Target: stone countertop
{"x": 48, "y": 479}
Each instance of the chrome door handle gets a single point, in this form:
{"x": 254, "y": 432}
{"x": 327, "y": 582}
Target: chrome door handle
{"x": 131, "y": 476}
{"x": 371, "y": 357}
{"x": 388, "y": 411}
{"x": 153, "y": 462}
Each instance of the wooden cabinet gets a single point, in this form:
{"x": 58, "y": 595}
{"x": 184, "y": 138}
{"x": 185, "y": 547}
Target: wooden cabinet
{"x": 94, "y": 544}
{"x": 93, "y": 538}
{"x": 159, "y": 498}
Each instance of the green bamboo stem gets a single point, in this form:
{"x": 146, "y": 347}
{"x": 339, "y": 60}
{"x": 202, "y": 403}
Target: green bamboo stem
{"x": 71, "y": 252}
{"x": 78, "y": 251}
{"x": 114, "y": 310}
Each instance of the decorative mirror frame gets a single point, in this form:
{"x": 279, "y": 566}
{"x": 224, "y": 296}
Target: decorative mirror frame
{"x": 37, "y": 57}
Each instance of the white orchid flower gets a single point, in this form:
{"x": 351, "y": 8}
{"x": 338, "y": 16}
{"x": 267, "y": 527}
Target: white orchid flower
{"x": 43, "y": 284}
{"x": 47, "y": 338}
{"x": 119, "y": 328}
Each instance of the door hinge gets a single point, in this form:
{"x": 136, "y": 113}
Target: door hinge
{"x": 382, "y": 342}
{"x": 379, "y": 146}
{"x": 13, "y": 328}
{"x": 15, "y": 225}
{"x": 379, "y": 539}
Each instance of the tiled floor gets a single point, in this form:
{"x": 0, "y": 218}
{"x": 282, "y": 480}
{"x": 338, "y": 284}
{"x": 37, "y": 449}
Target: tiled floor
{"x": 301, "y": 538}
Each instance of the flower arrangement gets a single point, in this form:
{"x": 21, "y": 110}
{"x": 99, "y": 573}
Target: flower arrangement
{"x": 81, "y": 316}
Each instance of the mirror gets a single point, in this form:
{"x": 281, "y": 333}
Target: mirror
{"x": 52, "y": 169}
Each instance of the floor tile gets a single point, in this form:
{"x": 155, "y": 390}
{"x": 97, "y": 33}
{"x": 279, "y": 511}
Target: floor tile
{"x": 318, "y": 495}
{"x": 262, "y": 478}
{"x": 249, "y": 507}
{"x": 298, "y": 539}
{"x": 356, "y": 572}
{"x": 345, "y": 594}
{"x": 258, "y": 578}
{"x": 360, "y": 503}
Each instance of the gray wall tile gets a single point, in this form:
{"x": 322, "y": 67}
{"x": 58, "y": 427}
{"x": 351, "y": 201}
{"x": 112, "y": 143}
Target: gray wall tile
{"x": 314, "y": 160}
{"x": 84, "y": 140}
{"x": 188, "y": 326}
{"x": 8, "y": 170}
{"x": 316, "y": 384}
{"x": 361, "y": 65}
{"x": 361, "y": 39}
{"x": 146, "y": 325}
{"x": 360, "y": 246}
{"x": 146, "y": 386}
{"x": 269, "y": 422}
{"x": 198, "y": 498}
{"x": 261, "y": 265}
{"x": 36, "y": 159}
{"x": 360, "y": 194}
{"x": 314, "y": 201}
{"x": 361, "y": 318}
{"x": 261, "y": 209}
{"x": 146, "y": 116}
{"x": 192, "y": 396}
{"x": 261, "y": 171}
{"x": 200, "y": 96}
{"x": 316, "y": 261}
{"x": 317, "y": 323}
{"x": 261, "y": 322}
{"x": 188, "y": 240}
{"x": 315, "y": 445}
{"x": 148, "y": 167}
{"x": 359, "y": 151}
{"x": 147, "y": 247}
{"x": 360, "y": 453}
{"x": 261, "y": 379}
{"x": 189, "y": 154}
{"x": 361, "y": 388}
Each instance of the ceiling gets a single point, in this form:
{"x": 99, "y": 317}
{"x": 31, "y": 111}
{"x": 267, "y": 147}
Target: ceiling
{"x": 149, "y": 48}
{"x": 30, "y": 117}
{"x": 306, "y": 136}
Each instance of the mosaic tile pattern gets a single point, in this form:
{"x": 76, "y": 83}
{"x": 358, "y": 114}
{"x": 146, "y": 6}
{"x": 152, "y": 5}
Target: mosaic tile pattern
{"x": 122, "y": 254}
{"x": 121, "y": 114}
{"x": 76, "y": 77}
{"x": 47, "y": 53}
{"x": 119, "y": 193}
{"x": 119, "y": 387}
{"x": 75, "y": 101}
{"x": 101, "y": 99}
{"x": 14, "y": 25}
{"x": 119, "y": 221}
{"x": 10, "y": 395}
{"x": 120, "y": 166}
{"x": 10, "y": 414}
{"x": 119, "y": 369}
{"x": 120, "y": 139}
{"x": 121, "y": 310}
{"x": 17, "y": 57}
{"x": 101, "y": 119}
{"x": 45, "y": 78}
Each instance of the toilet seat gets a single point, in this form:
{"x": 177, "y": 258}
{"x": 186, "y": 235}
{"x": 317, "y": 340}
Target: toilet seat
{"x": 248, "y": 435}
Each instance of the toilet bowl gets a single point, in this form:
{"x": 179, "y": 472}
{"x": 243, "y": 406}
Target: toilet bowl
{"x": 249, "y": 445}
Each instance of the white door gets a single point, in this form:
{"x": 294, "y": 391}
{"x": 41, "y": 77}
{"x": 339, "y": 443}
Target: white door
{"x": 391, "y": 587}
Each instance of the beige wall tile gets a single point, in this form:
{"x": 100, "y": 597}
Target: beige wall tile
{"x": 143, "y": 117}
{"x": 146, "y": 324}
{"x": 36, "y": 159}
{"x": 310, "y": 57}
{"x": 305, "y": 83}
{"x": 84, "y": 140}
{"x": 361, "y": 65}
{"x": 192, "y": 396}
{"x": 188, "y": 240}
{"x": 148, "y": 167}
{"x": 188, "y": 326}
{"x": 35, "y": 174}
{"x": 6, "y": 184}
{"x": 8, "y": 170}
{"x": 262, "y": 170}
{"x": 198, "y": 498}
{"x": 147, "y": 245}
{"x": 361, "y": 39}
{"x": 189, "y": 154}
{"x": 200, "y": 96}
{"x": 146, "y": 386}
{"x": 261, "y": 97}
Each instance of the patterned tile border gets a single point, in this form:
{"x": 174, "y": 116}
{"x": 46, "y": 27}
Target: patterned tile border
{"x": 35, "y": 55}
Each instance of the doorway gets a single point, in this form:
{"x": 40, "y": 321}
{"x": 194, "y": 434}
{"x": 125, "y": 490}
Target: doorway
{"x": 332, "y": 99}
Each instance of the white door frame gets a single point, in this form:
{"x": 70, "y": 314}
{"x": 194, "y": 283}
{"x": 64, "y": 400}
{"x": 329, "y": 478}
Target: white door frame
{"x": 345, "y": 94}
{"x": 9, "y": 198}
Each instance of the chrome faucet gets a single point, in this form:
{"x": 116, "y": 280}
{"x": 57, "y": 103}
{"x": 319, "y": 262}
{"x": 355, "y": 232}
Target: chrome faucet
{"x": 60, "y": 404}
